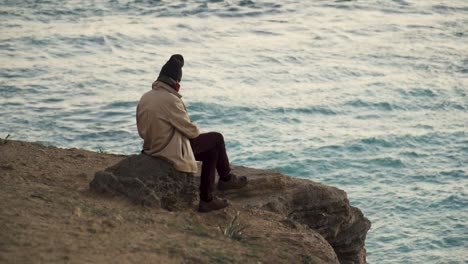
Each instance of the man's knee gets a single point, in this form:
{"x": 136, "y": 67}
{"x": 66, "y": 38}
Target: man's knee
{"x": 217, "y": 137}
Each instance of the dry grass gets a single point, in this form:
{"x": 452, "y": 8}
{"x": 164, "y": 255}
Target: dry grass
{"x": 5, "y": 140}
{"x": 234, "y": 229}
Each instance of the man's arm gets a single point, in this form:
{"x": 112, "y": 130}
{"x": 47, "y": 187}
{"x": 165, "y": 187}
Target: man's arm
{"x": 179, "y": 118}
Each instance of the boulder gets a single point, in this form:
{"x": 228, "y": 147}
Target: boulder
{"x": 148, "y": 181}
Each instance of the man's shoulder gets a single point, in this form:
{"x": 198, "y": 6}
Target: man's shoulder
{"x": 159, "y": 97}
{"x": 160, "y": 93}
{"x": 165, "y": 95}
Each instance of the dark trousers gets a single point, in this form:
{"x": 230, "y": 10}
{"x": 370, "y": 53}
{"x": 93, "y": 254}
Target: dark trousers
{"x": 210, "y": 149}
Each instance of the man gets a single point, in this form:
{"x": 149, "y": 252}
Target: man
{"x": 168, "y": 133}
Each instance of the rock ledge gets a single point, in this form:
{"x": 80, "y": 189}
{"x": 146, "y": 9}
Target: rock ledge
{"x": 153, "y": 182}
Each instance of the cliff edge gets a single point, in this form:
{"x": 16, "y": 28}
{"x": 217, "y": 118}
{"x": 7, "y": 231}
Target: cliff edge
{"x": 51, "y": 215}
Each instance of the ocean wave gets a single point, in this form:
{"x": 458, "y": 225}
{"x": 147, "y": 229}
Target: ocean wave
{"x": 220, "y": 111}
{"x": 378, "y": 142}
{"x": 46, "y": 11}
{"x": 446, "y": 9}
{"x": 387, "y": 162}
{"x": 15, "y": 73}
{"x": 455, "y": 174}
{"x": 124, "y": 105}
{"x": 457, "y": 201}
{"x": 304, "y": 110}
{"x": 382, "y": 106}
{"x": 103, "y": 135}
{"x": 413, "y": 154}
{"x": 418, "y": 93}
{"x": 9, "y": 91}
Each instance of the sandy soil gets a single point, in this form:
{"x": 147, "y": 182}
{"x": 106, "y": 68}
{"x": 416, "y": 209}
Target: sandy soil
{"x": 49, "y": 215}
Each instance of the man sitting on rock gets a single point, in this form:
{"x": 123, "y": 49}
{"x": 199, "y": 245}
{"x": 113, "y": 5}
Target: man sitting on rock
{"x": 168, "y": 133}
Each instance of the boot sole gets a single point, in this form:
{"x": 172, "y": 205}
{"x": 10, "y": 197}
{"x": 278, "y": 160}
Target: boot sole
{"x": 207, "y": 210}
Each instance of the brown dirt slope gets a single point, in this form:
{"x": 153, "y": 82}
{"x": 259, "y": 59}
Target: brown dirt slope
{"x": 49, "y": 215}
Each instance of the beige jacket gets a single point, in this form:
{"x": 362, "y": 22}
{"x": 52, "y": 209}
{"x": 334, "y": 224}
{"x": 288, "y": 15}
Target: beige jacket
{"x": 165, "y": 127}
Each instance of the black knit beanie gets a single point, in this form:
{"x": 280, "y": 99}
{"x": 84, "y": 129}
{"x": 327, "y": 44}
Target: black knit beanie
{"x": 173, "y": 67}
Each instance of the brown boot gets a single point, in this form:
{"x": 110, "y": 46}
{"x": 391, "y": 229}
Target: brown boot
{"x": 212, "y": 205}
{"x": 235, "y": 182}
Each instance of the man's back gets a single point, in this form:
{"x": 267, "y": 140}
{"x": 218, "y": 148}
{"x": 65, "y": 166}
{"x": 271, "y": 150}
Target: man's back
{"x": 165, "y": 127}
{"x": 152, "y": 114}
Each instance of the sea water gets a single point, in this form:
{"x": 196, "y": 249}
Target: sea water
{"x": 369, "y": 96}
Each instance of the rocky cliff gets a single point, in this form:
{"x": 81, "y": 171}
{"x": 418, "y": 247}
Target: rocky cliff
{"x": 49, "y": 213}
{"x": 324, "y": 209}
